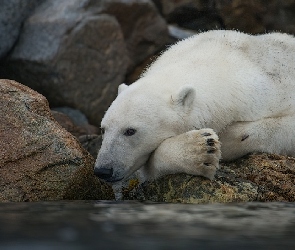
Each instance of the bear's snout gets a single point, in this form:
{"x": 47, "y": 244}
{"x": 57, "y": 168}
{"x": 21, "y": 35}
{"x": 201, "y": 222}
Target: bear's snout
{"x": 107, "y": 174}
{"x": 104, "y": 173}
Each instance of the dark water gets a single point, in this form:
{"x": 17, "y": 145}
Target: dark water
{"x": 132, "y": 225}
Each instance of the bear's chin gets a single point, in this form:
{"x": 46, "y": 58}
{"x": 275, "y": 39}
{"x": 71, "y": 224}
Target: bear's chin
{"x": 114, "y": 179}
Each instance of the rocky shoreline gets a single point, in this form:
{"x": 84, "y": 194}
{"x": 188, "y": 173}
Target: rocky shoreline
{"x": 40, "y": 160}
{"x": 75, "y": 54}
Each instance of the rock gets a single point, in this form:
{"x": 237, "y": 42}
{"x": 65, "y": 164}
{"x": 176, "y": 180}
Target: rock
{"x": 244, "y": 16}
{"x": 78, "y": 59}
{"x": 181, "y": 188}
{"x": 247, "y": 16}
{"x": 12, "y": 15}
{"x": 178, "y": 33}
{"x": 74, "y": 114}
{"x": 76, "y": 130}
{"x": 280, "y": 16}
{"x": 145, "y": 31}
{"x": 79, "y": 55}
{"x": 274, "y": 175}
{"x": 86, "y": 134}
{"x": 169, "y": 7}
{"x": 39, "y": 160}
{"x": 190, "y": 14}
{"x": 258, "y": 16}
{"x": 66, "y": 123}
{"x": 258, "y": 177}
{"x": 91, "y": 143}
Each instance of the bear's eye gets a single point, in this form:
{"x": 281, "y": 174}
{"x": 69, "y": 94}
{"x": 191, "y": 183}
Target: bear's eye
{"x": 102, "y": 130}
{"x": 130, "y": 132}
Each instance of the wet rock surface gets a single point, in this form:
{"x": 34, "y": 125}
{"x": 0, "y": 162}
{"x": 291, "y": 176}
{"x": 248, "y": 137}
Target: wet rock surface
{"x": 133, "y": 225}
{"x": 39, "y": 160}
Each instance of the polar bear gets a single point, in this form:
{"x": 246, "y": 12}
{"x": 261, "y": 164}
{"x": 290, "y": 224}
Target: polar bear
{"x": 240, "y": 86}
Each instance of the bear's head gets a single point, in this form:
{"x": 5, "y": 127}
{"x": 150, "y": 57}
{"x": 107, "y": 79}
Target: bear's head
{"x": 135, "y": 124}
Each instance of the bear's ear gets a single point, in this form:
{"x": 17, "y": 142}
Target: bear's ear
{"x": 122, "y": 87}
{"x": 185, "y": 97}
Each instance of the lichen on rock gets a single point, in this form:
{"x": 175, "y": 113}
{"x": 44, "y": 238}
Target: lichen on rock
{"x": 256, "y": 177}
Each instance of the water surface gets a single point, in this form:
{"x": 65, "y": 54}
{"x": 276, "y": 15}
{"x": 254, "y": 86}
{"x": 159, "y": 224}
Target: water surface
{"x": 135, "y": 225}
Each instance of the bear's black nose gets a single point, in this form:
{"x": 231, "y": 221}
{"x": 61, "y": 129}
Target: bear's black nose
{"x": 103, "y": 173}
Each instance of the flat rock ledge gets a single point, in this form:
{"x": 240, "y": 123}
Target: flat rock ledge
{"x": 256, "y": 177}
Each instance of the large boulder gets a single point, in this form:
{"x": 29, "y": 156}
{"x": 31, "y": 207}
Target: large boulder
{"x": 12, "y": 15}
{"x": 145, "y": 31}
{"x": 76, "y": 53}
{"x": 257, "y": 177}
{"x": 257, "y": 16}
{"x": 190, "y": 14}
{"x": 73, "y": 57}
{"x": 248, "y": 16}
{"x": 245, "y": 16}
{"x": 39, "y": 160}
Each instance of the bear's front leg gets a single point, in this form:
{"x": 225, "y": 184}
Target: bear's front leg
{"x": 196, "y": 152}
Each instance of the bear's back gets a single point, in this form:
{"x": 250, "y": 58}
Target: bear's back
{"x": 274, "y": 53}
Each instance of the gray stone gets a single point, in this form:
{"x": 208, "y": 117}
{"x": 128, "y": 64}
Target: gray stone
{"x": 169, "y": 7}
{"x": 91, "y": 143}
{"x": 191, "y": 14}
{"x": 74, "y": 52}
{"x": 77, "y": 130}
{"x": 71, "y": 56}
{"x": 12, "y": 15}
{"x": 145, "y": 31}
{"x": 76, "y": 115}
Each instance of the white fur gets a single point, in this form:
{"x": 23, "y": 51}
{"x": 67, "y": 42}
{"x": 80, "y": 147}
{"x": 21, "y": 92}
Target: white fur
{"x": 239, "y": 85}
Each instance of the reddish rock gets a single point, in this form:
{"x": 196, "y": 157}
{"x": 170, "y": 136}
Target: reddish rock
{"x": 39, "y": 160}
{"x": 273, "y": 174}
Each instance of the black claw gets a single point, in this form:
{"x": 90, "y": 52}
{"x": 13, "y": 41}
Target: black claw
{"x": 211, "y": 151}
{"x": 206, "y": 134}
{"x": 210, "y": 142}
{"x": 244, "y": 137}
